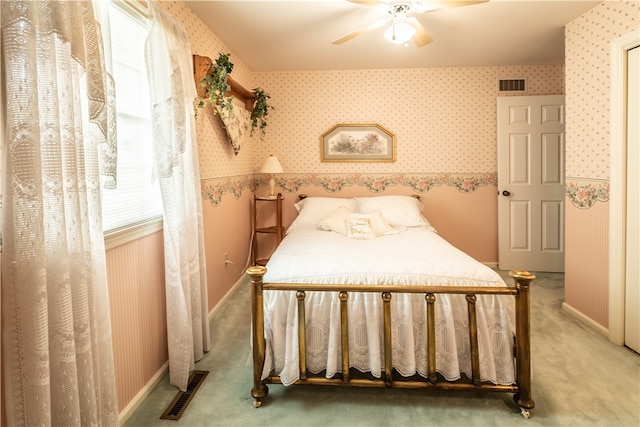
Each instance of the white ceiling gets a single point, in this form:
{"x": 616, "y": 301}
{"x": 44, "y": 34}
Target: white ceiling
{"x": 297, "y": 35}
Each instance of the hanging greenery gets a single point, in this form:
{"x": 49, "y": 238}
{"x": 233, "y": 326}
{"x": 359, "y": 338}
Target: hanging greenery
{"x": 260, "y": 111}
{"x": 216, "y": 88}
{"x": 216, "y": 84}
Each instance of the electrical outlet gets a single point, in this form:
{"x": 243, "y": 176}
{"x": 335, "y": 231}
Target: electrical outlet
{"x": 227, "y": 261}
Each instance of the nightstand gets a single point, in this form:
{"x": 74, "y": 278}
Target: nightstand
{"x": 276, "y": 229}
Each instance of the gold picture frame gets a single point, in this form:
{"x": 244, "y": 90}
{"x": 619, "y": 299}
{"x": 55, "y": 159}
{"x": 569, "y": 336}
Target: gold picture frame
{"x": 358, "y": 143}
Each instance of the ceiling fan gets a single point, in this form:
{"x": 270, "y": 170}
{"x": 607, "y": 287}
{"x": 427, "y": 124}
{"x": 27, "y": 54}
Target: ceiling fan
{"x": 403, "y": 28}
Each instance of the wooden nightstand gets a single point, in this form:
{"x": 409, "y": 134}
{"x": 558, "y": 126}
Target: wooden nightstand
{"x": 277, "y": 229}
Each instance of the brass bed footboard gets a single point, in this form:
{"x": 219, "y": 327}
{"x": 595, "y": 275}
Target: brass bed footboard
{"x": 522, "y": 345}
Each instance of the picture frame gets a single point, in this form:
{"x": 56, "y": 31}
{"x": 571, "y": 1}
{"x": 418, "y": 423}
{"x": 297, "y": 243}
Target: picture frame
{"x": 358, "y": 143}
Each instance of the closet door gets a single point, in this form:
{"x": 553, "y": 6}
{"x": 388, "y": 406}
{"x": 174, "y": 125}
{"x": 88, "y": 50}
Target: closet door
{"x": 632, "y": 288}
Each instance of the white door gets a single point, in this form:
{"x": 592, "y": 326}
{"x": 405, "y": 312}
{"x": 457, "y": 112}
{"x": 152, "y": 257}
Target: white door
{"x": 531, "y": 183}
{"x": 632, "y": 276}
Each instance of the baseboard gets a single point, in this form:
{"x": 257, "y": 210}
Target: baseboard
{"x": 242, "y": 280}
{"x": 143, "y": 394}
{"x": 590, "y": 322}
{"x": 493, "y": 265}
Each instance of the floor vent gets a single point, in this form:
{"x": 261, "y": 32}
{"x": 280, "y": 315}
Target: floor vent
{"x": 175, "y": 410}
{"x": 512, "y": 85}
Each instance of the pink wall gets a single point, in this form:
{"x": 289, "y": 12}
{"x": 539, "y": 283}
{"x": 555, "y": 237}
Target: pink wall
{"x": 135, "y": 273}
{"x": 227, "y": 230}
{"x": 587, "y": 267}
{"x": 469, "y": 221}
{"x": 588, "y": 82}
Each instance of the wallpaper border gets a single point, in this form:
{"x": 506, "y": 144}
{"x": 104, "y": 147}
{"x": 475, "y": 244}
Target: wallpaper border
{"x": 581, "y": 193}
{"x": 214, "y": 189}
{"x": 584, "y": 194}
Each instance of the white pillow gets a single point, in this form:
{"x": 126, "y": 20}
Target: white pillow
{"x": 360, "y": 226}
{"x": 337, "y": 221}
{"x": 379, "y": 224}
{"x": 312, "y": 210}
{"x": 398, "y": 211}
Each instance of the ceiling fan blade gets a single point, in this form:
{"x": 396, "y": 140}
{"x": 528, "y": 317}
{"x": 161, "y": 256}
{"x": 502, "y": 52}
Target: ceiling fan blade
{"x": 422, "y": 37}
{"x": 356, "y": 33}
{"x": 431, "y": 5}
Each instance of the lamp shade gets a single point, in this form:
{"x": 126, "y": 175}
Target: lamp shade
{"x": 400, "y": 32}
{"x": 271, "y": 165}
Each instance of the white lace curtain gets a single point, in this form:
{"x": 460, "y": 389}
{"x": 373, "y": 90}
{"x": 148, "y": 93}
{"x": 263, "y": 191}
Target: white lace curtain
{"x": 170, "y": 69}
{"x": 59, "y": 131}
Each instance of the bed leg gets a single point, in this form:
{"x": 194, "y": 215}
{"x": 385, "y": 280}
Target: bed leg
{"x": 388, "y": 362}
{"x": 473, "y": 339}
{"x": 302, "y": 336}
{"x": 344, "y": 335}
{"x": 523, "y": 342}
{"x": 259, "y": 390}
{"x": 431, "y": 338}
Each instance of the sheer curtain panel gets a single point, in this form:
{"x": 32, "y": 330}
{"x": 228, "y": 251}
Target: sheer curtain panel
{"x": 172, "y": 92}
{"x": 57, "y": 135}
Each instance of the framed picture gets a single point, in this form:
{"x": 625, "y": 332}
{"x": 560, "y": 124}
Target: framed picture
{"x": 358, "y": 143}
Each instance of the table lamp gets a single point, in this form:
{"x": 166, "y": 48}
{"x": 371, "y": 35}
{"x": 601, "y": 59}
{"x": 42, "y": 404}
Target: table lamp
{"x": 271, "y": 166}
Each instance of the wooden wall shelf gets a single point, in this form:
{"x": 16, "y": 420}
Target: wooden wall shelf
{"x": 201, "y": 67}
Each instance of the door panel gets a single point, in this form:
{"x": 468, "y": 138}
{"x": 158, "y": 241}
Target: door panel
{"x": 552, "y": 114}
{"x": 552, "y": 216}
{"x": 551, "y": 159}
{"x": 531, "y": 183}
{"x": 519, "y": 159}
{"x": 520, "y": 226}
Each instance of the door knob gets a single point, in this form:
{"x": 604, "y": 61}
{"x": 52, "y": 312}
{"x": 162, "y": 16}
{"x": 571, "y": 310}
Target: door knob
{"x": 506, "y": 193}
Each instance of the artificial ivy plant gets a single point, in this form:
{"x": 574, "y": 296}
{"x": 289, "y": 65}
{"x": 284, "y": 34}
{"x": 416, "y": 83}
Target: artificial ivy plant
{"x": 260, "y": 111}
{"x": 216, "y": 84}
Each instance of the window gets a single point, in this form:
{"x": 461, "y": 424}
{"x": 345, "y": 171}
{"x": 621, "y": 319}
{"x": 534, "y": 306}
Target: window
{"x": 136, "y": 200}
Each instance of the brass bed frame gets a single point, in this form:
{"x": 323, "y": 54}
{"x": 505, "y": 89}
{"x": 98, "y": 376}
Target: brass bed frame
{"x": 522, "y": 346}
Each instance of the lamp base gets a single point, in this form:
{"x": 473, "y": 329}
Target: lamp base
{"x": 272, "y": 188}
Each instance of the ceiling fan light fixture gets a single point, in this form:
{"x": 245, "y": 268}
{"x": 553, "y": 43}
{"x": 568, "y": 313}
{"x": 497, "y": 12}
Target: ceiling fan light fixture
{"x": 400, "y": 32}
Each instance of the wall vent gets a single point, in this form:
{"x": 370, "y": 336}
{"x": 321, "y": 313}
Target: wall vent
{"x": 512, "y": 85}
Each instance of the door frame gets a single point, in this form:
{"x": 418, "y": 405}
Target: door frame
{"x": 618, "y": 177}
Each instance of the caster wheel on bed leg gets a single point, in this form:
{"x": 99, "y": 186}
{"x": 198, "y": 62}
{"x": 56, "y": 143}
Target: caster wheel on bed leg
{"x": 258, "y": 393}
{"x": 524, "y": 404}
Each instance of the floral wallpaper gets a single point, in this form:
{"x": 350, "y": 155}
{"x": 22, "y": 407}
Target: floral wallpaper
{"x": 218, "y": 156}
{"x": 587, "y": 66}
{"x": 444, "y": 119}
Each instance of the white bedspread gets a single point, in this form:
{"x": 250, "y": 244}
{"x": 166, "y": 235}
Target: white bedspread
{"x": 413, "y": 257}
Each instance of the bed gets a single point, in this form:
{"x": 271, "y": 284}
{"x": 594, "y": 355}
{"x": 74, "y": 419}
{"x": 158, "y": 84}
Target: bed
{"x": 385, "y": 302}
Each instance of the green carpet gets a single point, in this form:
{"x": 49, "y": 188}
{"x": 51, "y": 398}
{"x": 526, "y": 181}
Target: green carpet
{"x": 579, "y": 379}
